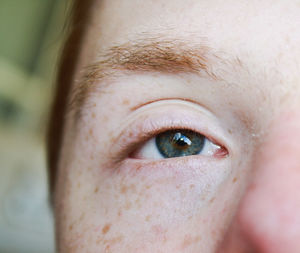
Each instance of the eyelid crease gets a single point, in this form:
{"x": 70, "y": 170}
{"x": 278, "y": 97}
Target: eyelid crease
{"x": 169, "y": 99}
{"x": 186, "y": 102}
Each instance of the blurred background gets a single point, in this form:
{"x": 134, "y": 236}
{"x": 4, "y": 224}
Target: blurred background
{"x": 31, "y": 33}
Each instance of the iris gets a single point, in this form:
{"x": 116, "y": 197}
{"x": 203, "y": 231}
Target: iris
{"x": 174, "y": 143}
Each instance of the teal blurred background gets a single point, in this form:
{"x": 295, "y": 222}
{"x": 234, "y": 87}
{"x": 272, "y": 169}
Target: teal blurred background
{"x": 31, "y": 34}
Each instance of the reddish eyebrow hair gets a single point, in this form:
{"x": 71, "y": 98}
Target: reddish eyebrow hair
{"x": 172, "y": 56}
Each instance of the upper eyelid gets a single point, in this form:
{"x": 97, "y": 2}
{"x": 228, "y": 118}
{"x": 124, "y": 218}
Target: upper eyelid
{"x": 142, "y": 127}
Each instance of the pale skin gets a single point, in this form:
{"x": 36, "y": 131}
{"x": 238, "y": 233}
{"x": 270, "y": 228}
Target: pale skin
{"x": 114, "y": 194}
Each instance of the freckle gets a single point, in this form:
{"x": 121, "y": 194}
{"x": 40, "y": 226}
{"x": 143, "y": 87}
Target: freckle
{"x": 212, "y": 200}
{"x": 96, "y": 190}
{"x": 94, "y": 105}
{"x": 192, "y": 186}
{"x": 106, "y": 228}
{"x": 91, "y": 131}
{"x": 229, "y": 131}
{"x": 148, "y": 186}
{"x": 78, "y": 185}
{"x": 71, "y": 227}
{"x": 234, "y": 180}
{"x": 148, "y": 217}
{"x": 123, "y": 189}
{"x": 119, "y": 213}
{"x": 107, "y": 249}
{"x": 125, "y": 102}
{"x": 178, "y": 186}
{"x": 93, "y": 115}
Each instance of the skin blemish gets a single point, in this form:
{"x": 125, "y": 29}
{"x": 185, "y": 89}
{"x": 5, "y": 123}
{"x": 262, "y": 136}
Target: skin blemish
{"x": 106, "y": 228}
{"x": 234, "y": 180}
{"x": 96, "y": 190}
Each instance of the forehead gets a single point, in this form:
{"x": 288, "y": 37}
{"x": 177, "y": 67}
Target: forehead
{"x": 261, "y": 36}
{"x": 266, "y": 29}
{"x": 223, "y": 23}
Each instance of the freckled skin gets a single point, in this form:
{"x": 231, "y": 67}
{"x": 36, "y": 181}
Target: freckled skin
{"x": 107, "y": 201}
{"x": 106, "y": 228}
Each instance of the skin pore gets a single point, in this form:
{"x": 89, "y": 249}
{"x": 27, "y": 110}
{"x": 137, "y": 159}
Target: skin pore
{"x": 228, "y": 70}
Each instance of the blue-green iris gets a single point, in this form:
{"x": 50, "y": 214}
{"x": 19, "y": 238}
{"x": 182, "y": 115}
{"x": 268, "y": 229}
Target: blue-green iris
{"x": 176, "y": 143}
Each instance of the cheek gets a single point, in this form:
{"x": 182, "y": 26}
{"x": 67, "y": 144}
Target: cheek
{"x": 146, "y": 206}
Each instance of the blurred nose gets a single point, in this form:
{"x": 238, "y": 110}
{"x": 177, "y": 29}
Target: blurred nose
{"x": 268, "y": 219}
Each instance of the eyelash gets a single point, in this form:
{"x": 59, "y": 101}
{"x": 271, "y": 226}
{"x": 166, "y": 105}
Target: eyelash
{"x": 206, "y": 146}
{"x": 144, "y": 128}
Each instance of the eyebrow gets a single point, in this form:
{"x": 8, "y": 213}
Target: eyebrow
{"x": 170, "y": 56}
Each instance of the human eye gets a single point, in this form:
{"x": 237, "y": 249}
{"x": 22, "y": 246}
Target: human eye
{"x": 178, "y": 143}
{"x": 171, "y": 129}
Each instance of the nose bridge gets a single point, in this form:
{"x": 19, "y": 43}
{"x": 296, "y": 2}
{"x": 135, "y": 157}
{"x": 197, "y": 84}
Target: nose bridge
{"x": 269, "y": 215}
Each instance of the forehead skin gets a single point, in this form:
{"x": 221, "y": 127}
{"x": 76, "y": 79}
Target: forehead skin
{"x": 256, "y": 54}
{"x": 260, "y": 37}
